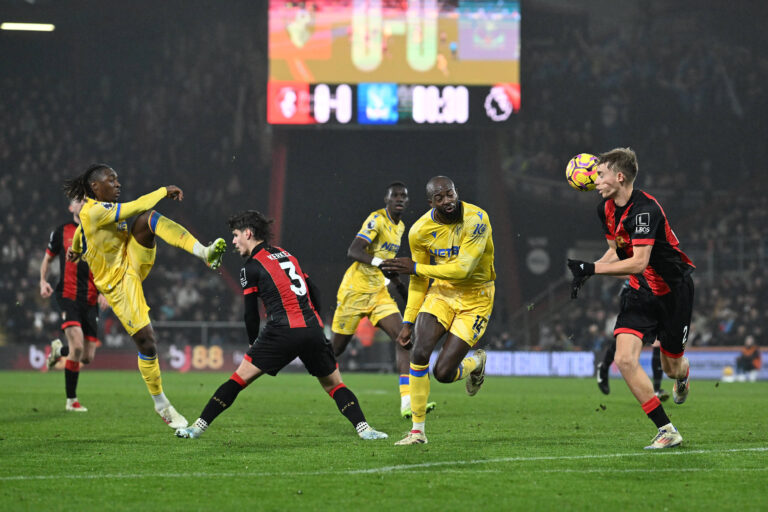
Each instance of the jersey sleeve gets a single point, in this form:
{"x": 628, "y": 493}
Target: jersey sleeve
{"x": 249, "y": 280}
{"x": 77, "y": 240}
{"x": 55, "y": 241}
{"x": 370, "y": 229}
{"x": 104, "y": 213}
{"x": 477, "y": 230}
{"x": 418, "y": 285}
{"x": 646, "y": 223}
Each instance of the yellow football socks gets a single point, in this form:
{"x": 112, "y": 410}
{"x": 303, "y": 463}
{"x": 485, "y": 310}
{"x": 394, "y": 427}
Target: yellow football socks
{"x": 419, "y": 384}
{"x": 172, "y": 233}
{"x": 405, "y": 386}
{"x": 465, "y": 368}
{"x": 150, "y": 370}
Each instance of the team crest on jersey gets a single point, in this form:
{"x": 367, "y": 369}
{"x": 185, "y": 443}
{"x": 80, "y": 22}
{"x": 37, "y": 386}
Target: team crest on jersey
{"x": 643, "y": 223}
{"x": 122, "y": 226}
{"x": 243, "y": 278}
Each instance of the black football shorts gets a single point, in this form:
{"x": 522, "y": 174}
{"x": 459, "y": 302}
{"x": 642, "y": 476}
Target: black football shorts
{"x": 277, "y": 346}
{"x": 74, "y": 314}
{"x": 666, "y": 317}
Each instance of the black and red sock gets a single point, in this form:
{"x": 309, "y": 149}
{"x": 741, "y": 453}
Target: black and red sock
{"x": 655, "y": 412}
{"x": 71, "y": 373}
{"x": 223, "y": 398}
{"x": 347, "y": 403}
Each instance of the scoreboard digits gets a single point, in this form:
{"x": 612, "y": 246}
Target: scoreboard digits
{"x": 394, "y": 104}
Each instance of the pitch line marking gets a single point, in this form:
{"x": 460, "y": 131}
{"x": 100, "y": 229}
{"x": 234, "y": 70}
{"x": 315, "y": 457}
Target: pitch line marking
{"x": 408, "y": 467}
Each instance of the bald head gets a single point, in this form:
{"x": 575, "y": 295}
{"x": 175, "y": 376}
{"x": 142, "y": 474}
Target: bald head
{"x": 438, "y": 185}
{"x": 442, "y": 196}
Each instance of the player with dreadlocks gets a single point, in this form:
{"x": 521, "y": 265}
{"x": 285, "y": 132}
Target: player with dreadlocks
{"x": 121, "y": 258}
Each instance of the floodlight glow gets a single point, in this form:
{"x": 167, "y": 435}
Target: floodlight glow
{"x": 36, "y": 27}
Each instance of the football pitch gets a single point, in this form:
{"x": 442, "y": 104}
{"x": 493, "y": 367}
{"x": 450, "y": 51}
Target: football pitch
{"x": 520, "y": 444}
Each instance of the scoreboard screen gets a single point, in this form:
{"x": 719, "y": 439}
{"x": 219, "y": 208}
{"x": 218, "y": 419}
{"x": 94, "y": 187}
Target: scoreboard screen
{"x": 393, "y": 62}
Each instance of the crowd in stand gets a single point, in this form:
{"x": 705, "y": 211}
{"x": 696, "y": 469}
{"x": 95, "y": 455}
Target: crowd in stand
{"x": 650, "y": 85}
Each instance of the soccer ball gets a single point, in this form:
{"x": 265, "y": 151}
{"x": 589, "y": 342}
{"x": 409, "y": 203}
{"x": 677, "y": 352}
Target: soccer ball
{"x": 580, "y": 172}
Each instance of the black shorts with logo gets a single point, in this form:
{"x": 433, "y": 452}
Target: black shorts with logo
{"x": 666, "y": 317}
{"x": 74, "y": 313}
{"x": 277, "y": 346}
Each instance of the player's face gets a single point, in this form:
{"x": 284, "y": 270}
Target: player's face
{"x": 445, "y": 200}
{"x": 240, "y": 241}
{"x": 396, "y": 200}
{"x": 607, "y": 181}
{"x": 106, "y": 187}
{"x": 75, "y": 206}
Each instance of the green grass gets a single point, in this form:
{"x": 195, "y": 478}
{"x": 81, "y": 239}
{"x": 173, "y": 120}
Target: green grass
{"x": 522, "y": 444}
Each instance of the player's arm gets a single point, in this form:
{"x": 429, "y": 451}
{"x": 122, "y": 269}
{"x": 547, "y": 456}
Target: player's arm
{"x": 76, "y": 248}
{"x": 45, "y": 287}
{"x": 55, "y": 244}
{"x": 357, "y": 251}
{"x": 314, "y": 294}
{"x": 470, "y": 252}
{"x": 418, "y": 285}
{"x": 106, "y": 213}
{"x": 251, "y": 316}
{"x": 636, "y": 264}
{"x": 610, "y": 256}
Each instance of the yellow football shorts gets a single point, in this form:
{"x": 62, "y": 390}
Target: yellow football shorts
{"x": 463, "y": 312}
{"x": 127, "y": 296}
{"x": 353, "y": 306}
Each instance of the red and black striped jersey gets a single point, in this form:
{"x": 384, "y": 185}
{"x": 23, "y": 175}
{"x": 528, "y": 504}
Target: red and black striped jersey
{"x": 642, "y": 221}
{"x": 76, "y": 279}
{"x": 274, "y": 275}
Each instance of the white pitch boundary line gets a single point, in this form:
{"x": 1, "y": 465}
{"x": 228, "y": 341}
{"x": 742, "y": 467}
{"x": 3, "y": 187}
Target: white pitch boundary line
{"x": 408, "y": 467}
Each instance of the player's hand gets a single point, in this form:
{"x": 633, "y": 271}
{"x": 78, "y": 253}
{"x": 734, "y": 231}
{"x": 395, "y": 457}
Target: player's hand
{"x": 72, "y": 256}
{"x": 404, "y": 338}
{"x": 399, "y": 265}
{"x": 103, "y": 304}
{"x": 174, "y": 193}
{"x": 45, "y": 289}
{"x": 581, "y": 270}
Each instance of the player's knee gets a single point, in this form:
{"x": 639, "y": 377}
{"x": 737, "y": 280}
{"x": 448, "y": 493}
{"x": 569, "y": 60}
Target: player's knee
{"x": 625, "y": 362}
{"x": 85, "y": 360}
{"x": 444, "y": 376}
{"x": 419, "y": 355}
{"x": 146, "y": 345}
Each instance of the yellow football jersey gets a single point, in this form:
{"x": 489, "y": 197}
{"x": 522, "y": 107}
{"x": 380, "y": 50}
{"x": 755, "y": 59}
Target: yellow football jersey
{"x": 458, "y": 255}
{"x": 105, "y": 236}
{"x": 384, "y": 236}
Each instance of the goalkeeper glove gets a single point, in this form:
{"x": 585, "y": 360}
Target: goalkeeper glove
{"x": 581, "y": 271}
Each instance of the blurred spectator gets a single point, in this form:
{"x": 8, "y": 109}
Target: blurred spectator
{"x": 748, "y": 364}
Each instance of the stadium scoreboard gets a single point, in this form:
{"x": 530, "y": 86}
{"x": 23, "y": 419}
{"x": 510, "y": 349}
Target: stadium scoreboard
{"x": 393, "y": 62}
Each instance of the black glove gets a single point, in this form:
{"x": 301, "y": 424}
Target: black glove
{"x": 581, "y": 271}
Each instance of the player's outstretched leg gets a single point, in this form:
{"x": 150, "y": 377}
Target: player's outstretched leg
{"x": 178, "y": 236}
{"x": 349, "y": 406}
{"x": 477, "y": 376}
{"x": 658, "y": 374}
{"x": 680, "y": 390}
{"x": 222, "y": 399}
{"x": 55, "y": 354}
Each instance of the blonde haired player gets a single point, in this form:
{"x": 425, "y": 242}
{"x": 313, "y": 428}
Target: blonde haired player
{"x": 457, "y": 237}
{"x": 121, "y": 258}
{"x": 363, "y": 290}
